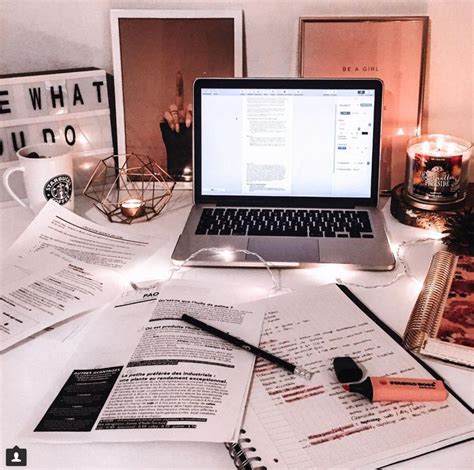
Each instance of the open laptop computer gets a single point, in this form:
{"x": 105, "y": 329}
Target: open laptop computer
{"x": 288, "y": 169}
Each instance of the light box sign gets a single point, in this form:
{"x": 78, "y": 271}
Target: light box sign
{"x": 70, "y": 107}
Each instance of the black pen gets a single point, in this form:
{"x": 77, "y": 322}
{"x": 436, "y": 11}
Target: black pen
{"x": 248, "y": 347}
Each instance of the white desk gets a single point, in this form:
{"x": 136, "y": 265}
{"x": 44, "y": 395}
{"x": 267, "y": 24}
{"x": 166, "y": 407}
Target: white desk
{"x": 26, "y": 371}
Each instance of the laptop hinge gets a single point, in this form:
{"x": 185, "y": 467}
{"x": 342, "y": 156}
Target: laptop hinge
{"x": 270, "y": 205}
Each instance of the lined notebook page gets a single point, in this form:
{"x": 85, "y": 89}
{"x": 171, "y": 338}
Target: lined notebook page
{"x": 317, "y": 423}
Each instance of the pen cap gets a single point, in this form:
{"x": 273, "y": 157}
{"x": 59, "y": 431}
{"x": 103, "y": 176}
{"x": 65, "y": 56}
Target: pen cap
{"x": 347, "y": 370}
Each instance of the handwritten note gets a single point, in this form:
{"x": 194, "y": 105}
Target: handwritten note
{"x": 319, "y": 423}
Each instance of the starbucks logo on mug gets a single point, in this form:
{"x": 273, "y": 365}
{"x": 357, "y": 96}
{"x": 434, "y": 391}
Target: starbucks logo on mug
{"x": 59, "y": 189}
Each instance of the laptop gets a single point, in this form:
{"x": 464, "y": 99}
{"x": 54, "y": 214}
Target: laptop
{"x": 287, "y": 169}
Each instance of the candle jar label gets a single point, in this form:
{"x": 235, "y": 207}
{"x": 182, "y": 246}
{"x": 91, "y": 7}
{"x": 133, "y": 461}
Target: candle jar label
{"x": 435, "y": 178}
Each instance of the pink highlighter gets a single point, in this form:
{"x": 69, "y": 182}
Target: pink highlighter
{"x": 399, "y": 389}
{"x": 387, "y": 388}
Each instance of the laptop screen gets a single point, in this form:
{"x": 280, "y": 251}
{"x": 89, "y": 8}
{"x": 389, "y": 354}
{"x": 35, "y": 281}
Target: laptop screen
{"x": 295, "y": 142}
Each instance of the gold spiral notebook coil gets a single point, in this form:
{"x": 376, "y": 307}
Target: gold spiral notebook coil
{"x": 426, "y": 315}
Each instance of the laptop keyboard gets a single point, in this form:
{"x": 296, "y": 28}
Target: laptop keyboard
{"x": 285, "y": 223}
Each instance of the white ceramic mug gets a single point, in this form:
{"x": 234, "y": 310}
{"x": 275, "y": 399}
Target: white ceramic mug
{"x": 45, "y": 178}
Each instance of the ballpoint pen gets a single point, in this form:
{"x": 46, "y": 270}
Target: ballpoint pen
{"x": 248, "y": 347}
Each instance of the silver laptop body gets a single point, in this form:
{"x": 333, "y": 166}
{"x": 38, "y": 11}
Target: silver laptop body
{"x": 287, "y": 169}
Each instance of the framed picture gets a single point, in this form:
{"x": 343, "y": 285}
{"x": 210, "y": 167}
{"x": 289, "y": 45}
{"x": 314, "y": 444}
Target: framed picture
{"x": 157, "y": 55}
{"x": 392, "y": 49}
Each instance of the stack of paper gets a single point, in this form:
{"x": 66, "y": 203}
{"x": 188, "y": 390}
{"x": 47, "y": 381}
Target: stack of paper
{"x": 62, "y": 265}
{"x": 154, "y": 377}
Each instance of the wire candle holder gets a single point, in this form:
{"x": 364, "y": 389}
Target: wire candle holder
{"x": 138, "y": 190}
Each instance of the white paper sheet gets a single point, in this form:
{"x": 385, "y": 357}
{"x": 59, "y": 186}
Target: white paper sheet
{"x": 57, "y": 289}
{"x": 317, "y": 423}
{"x": 58, "y": 228}
{"x": 167, "y": 380}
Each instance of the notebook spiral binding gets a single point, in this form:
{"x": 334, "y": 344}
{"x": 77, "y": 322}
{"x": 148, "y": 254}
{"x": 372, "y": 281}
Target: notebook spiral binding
{"x": 241, "y": 453}
{"x": 426, "y": 315}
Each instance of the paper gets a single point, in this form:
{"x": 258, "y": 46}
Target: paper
{"x": 56, "y": 290}
{"x": 157, "y": 377}
{"x": 318, "y": 423}
{"x": 96, "y": 249}
{"x": 58, "y": 228}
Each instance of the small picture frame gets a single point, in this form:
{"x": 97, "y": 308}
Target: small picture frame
{"x": 157, "y": 55}
{"x": 391, "y": 48}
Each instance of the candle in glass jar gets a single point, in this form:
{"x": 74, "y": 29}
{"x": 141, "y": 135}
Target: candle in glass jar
{"x": 132, "y": 208}
{"x": 437, "y": 168}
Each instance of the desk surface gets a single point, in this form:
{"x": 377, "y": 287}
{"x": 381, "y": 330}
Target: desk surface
{"x": 25, "y": 370}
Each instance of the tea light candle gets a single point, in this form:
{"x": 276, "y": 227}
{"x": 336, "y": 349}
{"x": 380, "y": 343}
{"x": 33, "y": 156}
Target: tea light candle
{"x": 132, "y": 208}
{"x": 437, "y": 168}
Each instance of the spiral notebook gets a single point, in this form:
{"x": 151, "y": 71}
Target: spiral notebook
{"x": 441, "y": 324}
{"x": 292, "y": 423}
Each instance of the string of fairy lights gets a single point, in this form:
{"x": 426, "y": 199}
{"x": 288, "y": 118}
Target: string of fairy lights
{"x": 226, "y": 254}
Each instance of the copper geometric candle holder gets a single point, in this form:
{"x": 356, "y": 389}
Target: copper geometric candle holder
{"x": 139, "y": 190}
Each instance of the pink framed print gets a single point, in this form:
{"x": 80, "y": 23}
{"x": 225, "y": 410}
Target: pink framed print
{"x": 392, "y": 49}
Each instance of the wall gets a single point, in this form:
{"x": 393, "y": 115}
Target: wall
{"x": 51, "y": 34}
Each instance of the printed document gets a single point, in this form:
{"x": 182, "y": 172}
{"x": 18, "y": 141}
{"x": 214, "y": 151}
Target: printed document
{"x": 56, "y": 289}
{"x": 150, "y": 376}
{"x": 58, "y": 228}
{"x": 63, "y": 265}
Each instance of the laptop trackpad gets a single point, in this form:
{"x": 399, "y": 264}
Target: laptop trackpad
{"x": 300, "y": 250}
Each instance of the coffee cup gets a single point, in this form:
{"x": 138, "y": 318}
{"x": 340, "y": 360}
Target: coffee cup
{"x": 48, "y": 174}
